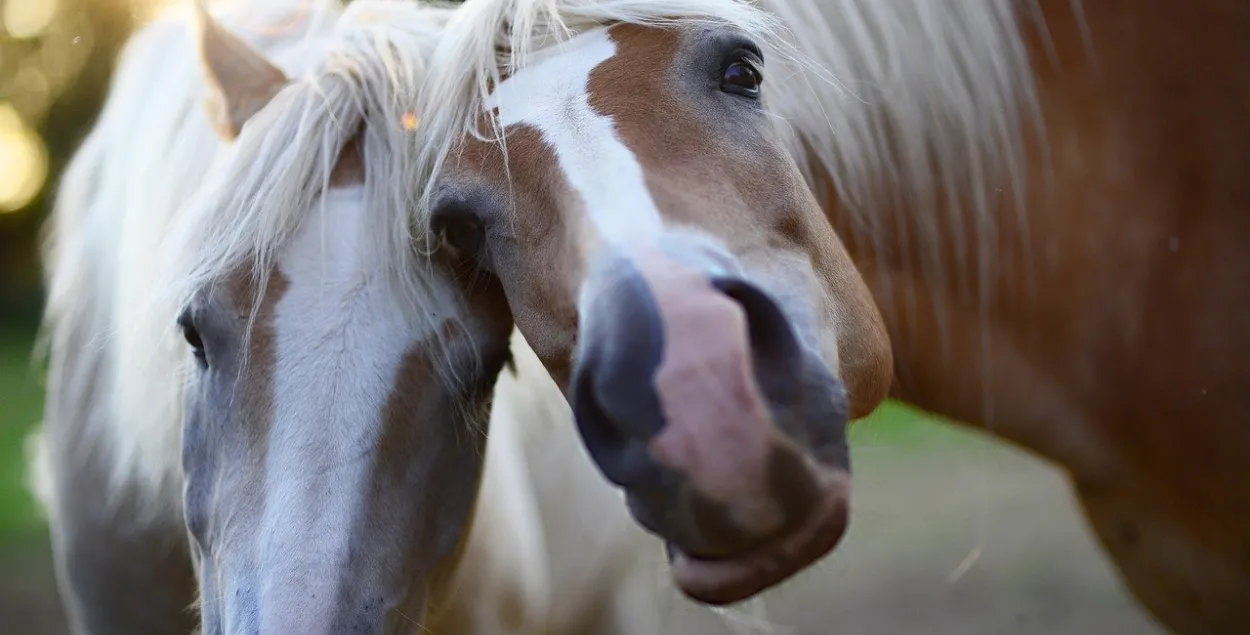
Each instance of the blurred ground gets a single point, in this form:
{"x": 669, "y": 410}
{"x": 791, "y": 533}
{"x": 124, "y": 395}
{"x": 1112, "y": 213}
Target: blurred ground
{"x": 952, "y": 534}
{"x": 961, "y": 536}
{"x": 955, "y": 534}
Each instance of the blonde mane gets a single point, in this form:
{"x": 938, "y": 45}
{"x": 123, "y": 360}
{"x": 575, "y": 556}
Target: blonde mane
{"x": 488, "y": 39}
{"x": 917, "y": 110}
{"x": 155, "y": 206}
{"x": 912, "y": 107}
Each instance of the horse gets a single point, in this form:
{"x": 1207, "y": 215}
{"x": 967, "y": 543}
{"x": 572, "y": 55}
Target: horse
{"x": 711, "y": 364}
{"x": 262, "y": 389}
{"x": 1023, "y": 216}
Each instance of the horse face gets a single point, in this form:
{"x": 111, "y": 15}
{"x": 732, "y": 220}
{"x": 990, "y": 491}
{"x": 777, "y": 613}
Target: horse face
{"x": 335, "y": 417}
{"x": 330, "y": 462}
{"x": 664, "y": 256}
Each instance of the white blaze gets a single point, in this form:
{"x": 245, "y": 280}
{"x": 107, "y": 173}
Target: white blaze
{"x": 552, "y": 95}
{"x": 341, "y": 338}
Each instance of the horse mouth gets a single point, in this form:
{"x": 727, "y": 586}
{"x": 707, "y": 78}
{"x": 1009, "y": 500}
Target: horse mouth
{"x": 721, "y": 581}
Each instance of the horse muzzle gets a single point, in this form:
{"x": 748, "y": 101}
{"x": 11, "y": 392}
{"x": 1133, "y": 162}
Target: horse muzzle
{"x": 693, "y": 392}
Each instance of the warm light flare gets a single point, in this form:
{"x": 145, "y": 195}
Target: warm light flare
{"x": 23, "y": 161}
{"x": 410, "y": 121}
{"x": 25, "y": 19}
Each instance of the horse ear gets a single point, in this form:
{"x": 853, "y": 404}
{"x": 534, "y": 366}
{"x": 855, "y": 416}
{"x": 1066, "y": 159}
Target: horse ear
{"x": 241, "y": 79}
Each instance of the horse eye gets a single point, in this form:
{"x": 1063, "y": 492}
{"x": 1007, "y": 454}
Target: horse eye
{"x": 460, "y": 230}
{"x": 741, "y": 78}
{"x": 465, "y": 236}
{"x": 192, "y": 336}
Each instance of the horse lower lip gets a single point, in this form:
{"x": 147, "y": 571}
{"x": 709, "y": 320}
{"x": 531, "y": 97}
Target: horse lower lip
{"x": 727, "y": 580}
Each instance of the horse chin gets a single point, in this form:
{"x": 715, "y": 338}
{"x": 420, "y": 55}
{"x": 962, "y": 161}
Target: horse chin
{"x": 731, "y": 579}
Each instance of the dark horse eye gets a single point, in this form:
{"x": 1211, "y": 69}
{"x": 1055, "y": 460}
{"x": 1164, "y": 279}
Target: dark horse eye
{"x": 192, "y": 336}
{"x": 465, "y": 236}
{"x": 741, "y": 78}
{"x": 459, "y": 229}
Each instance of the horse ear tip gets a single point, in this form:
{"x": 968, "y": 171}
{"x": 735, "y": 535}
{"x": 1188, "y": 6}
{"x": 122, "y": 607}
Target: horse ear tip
{"x": 241, "y": 79}
{"x": 205, "y": 28}
{"x": 203, "y": 17}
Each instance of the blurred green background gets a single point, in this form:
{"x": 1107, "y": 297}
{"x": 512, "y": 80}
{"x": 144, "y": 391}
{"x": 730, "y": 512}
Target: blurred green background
{"x": 55, "y": 61}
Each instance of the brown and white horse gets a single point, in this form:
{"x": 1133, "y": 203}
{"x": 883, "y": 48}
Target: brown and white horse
{"x": 669, "y": 265}
{"x": 260, "y": 390}
{"x": 1047, "y": 200}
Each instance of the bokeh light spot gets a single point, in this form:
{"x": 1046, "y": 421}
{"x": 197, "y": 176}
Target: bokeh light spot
{"x": 23, "y": 161}
{"x": 28, "y": 18}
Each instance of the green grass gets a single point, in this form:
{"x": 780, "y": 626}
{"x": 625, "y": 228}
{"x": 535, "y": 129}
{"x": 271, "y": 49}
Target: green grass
{"x": 899, "y": 425}
{"x": 21, "y": 407}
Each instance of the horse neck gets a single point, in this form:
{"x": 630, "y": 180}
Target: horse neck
{"x": 920, "y": 159}
{"x": 1128, "y": 132}
{"x": 916, "y": 132}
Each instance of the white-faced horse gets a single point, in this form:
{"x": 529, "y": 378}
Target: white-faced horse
{"x": 261, "y": 388}
{"x": 1046, "y": 199}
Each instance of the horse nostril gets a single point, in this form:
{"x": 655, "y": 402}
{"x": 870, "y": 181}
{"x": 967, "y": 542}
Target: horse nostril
{"x": 623, "y": 460}
{"x": 777, "y": 357}
{"x": 614, "y": 401}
